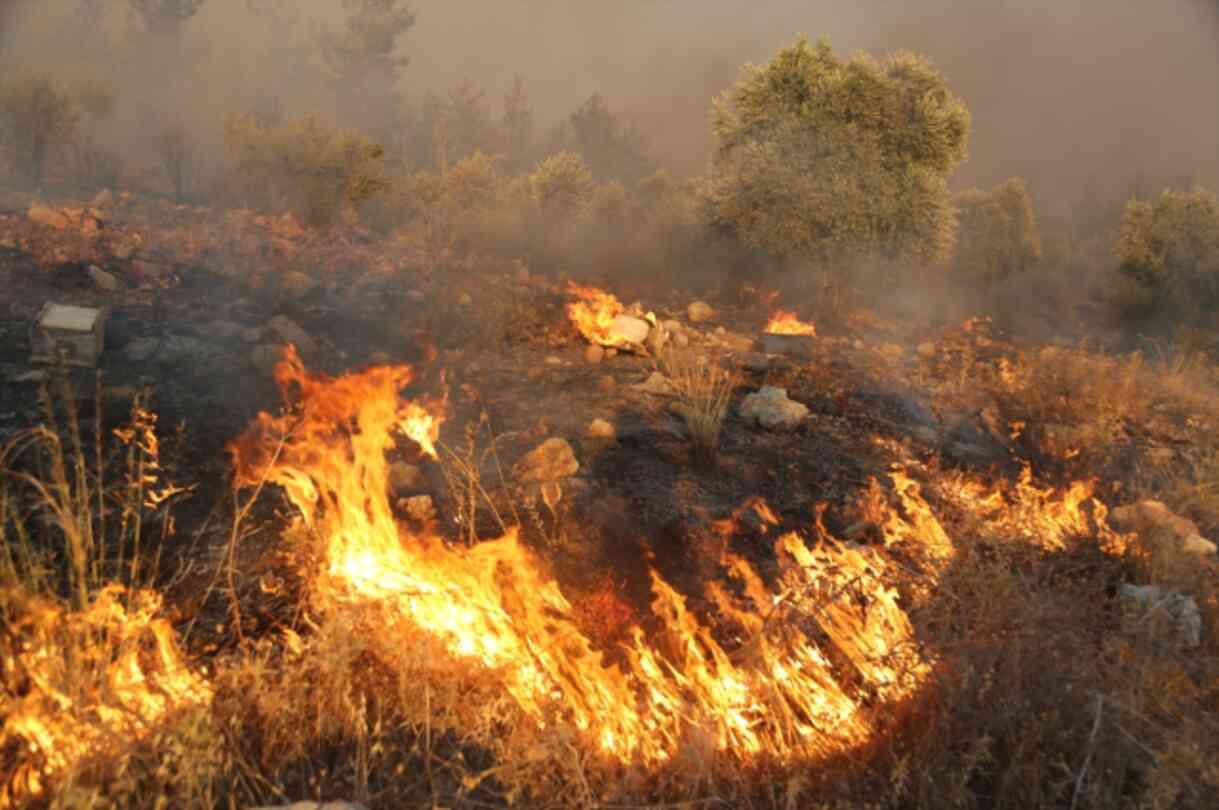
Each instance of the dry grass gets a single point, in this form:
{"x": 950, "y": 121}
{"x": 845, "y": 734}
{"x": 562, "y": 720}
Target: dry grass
{"x": 704, "y": 391}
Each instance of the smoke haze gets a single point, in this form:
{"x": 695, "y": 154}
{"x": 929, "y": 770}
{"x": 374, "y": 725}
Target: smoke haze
{"x": 1081, "y": 97}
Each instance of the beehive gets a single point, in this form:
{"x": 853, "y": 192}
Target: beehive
{"x": 67, "y": 334}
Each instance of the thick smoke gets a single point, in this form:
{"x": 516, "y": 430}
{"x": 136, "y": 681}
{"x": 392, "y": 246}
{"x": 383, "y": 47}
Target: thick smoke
{"x": 1084, "y": 98}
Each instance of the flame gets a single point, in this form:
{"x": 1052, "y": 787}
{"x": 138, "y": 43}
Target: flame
{"x": 593, "y": 313}
{"x": 786, "y": 322}
{"x": 775, "y": 692}
{"x": 90, "y": 682}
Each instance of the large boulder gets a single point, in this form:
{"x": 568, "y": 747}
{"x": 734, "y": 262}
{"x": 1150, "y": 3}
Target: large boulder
{"x": 1153, "y": 521}
{"x": 770, "y": 408}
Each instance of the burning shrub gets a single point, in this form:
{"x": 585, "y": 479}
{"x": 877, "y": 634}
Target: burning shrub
{"x": 302, "y": 167}
{"x": 827, "y": 160}
{"x": 998, "y": 235}
{"x": 1170, "y": 247}
{"x": 38, "y": 113}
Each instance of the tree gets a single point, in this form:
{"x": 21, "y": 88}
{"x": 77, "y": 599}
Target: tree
{"x": 825, "y": 160}
{"x": 1170, "y": 248}
{"x": 611, "y": 150}
{"x": 37, "y": 113}
{"x": 998, "y": 234}
{"x": 517, "y": 124}
{"x": 363, "y": 59}
{"x": 165, "y": 17}
{"x": 562, "y": 185}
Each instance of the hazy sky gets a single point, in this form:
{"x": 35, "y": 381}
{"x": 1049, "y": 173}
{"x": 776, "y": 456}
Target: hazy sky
{"x": 1064, "y": 92}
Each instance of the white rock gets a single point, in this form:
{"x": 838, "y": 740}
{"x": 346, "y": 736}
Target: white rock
{"x": 771, "y": 409}
{"x": 1146, "y": 599}
{"x": 629, "y": 330}
{"x": 699, "y": 311}
{"x": 551, "y": 460}
{"x": 103, "y": 280}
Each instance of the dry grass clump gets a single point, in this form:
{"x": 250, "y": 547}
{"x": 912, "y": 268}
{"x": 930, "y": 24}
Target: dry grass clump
{"x": 704, "y": 391}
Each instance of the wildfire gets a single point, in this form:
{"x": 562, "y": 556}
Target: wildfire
{"x": 492, "y": 610}
{"x": 786, "y": 322}
{"x": 593, "y": 313}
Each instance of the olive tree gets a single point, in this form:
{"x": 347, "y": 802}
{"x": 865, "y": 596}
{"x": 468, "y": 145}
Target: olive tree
{"x": 998, "y": 235}
{"x": 824, "y": 160}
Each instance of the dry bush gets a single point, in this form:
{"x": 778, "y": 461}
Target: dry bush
{"x": 301, "y": 167}
{"x": 704, "y": 391}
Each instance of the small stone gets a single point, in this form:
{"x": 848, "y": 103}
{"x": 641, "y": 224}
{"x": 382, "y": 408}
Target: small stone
{"x": 594, "y": 354}
{"x": 464, "y": 300}
{"x": 102, "y": 199}
{"x": 681, "y": 340}
{"x": 607, "y": 384}
{"x": 699, "y": 311}
{"x": 600, "y": 429}
{"x": 720, "y": 331}
{"x": 656, "y": 383}
{"x": 522, "y": 274}
{"x": 926, "y": 350}
{"x": 289, "y": 331}
{"x": 103, "y": 280}
{"x": 551, "y": 460}
{"x": 48, "y": 216}
{"x": 611, "y": 352}
{"x": 770, "y": 408}
{"x": 657, "y": 338}
{"x": 404, "y": 477}
{"x": 672, "y": 327}
{"x": 554, "y": 361}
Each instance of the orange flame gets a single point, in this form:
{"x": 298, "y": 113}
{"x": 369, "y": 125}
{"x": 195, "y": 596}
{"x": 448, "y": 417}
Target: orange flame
{"x": 786, "y": 322}
{"x": 593, "y": 313}
{"x": 494, "y": 612}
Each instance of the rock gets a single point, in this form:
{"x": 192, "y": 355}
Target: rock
{"x": 1143, "y": 600}
{"x": 48, "y": 216}
{"x": 798, "y": 346}
{"x": 123, "y": 251}
{"x": 611, "y": 352}
{"x": 419, "y": 507}
{"x": 297, "y": 284}
{"x": 770, "y": 408}
{"x": 404, "y": 477}
{"x": 1153, "y": 520}
{"x": 594, "y": 354}
{"x": 102, "y": 199}
{"x": 656, "y": 383}
{"x": 681, "y": 340}
{"x": 627, "y": 329}
{"x": 289, "y": 331}
{"x": 672, "y": 327}
{"x": 600, "y": 429}
{"x": 554, "y": 361}
{"x": 607, "y": 384}
{"x": 927, "y": 350}
{"x": 551, "y": 460}
{"x": 699, "y": 311}
{"x": 755, "y": 362}
{"x": 103, "y": 280}
{"x": 464, "y": 300}
{"x": 265, "y": 357}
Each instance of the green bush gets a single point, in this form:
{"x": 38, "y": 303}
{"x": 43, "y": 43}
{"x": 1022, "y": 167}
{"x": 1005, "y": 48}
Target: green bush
{"x": 562, "y": 185}
{"x": 302, "y": 167}
{"x": 1169, "y": 248}
{"x": 826, "y": 161}
{"x": 37, "y": 113}
{"x": 998, "y": 235}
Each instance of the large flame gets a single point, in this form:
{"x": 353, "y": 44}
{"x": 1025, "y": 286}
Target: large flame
{"x": 786, "y": 322}
{"x": 593, "y": 312}
{"x": 773, "y": 693}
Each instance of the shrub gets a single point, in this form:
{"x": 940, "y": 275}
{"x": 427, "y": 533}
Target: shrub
{"x": 1170, "y": 248}
{"x": 37, "y": 113}
{"x": 562, "y": 184}
{"x": 303, "y": 167}
{"x": 998, "y": 235}
{"x": 826, "y": 160}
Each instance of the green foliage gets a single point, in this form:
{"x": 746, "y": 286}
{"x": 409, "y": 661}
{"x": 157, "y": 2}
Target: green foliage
{"x": 363, "y": 58}
{"x": 998, "y": 235}
{"x": 562, "y": 185}
{"x": 303, "y": 167}
{"x": 1170, "y": 248}
{"x": 827, "y": 160}
{"x": 37, "y": 113}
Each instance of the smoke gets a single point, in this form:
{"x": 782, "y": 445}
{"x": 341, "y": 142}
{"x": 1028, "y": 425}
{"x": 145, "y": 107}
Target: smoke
{"x": 1084, "y": 98}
